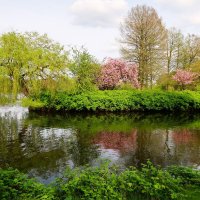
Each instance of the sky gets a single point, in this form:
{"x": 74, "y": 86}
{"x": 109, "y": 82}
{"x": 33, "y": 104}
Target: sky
{"x": 93, "y": 24}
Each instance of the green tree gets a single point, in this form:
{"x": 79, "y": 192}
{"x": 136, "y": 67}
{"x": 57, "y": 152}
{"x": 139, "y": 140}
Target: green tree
{"x": 30, "y": 60}
{"x": 85, "y": 69}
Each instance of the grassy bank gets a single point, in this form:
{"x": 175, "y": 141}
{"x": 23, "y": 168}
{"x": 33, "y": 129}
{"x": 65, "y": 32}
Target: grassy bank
{"x": 105, "y": 182}
{"x": 117, "y": 100}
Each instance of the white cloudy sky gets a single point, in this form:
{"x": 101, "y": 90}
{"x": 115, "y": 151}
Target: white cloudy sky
{"x": 91, "y": 23}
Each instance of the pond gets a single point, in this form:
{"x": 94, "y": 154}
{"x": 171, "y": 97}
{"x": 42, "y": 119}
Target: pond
{"x": 43, "y": 145}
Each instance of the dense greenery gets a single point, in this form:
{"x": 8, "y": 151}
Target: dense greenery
{"x": 15, "y": 185}
{"x": 104, "y": 182}
{"x": 85, "y": 69}
{"x": 118, "y": 100}
{"x": 30, "y": 62}
{"x": 34, "y": 65}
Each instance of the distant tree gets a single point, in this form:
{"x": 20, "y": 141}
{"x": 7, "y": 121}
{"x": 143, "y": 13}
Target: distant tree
{"x": 116, "y": 71}
{"x": 143, "y": 41}
{"x": 184, "y": 77}
{"x": 191, "y": 50}
{"x": 175, "y": 40}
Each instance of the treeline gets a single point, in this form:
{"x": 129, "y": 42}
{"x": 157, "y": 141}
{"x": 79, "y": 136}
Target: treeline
{"x": 31, "y": 63}
{"x": 158, "y": 51}
{"x": 152, "y": 57}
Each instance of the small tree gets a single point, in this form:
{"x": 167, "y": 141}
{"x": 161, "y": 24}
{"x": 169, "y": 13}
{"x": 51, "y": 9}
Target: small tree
{"x": 116, "y": 71}
{"x": 184, "y": 77}
{"x": 85, "y": 69}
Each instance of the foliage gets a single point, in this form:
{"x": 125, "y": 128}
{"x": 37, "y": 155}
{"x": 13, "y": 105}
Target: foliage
{"x": 117, "y": 71}
{"x": 121, "y": 100}
{"x": 151, "y": 182}
{"x": 85, "y": 69}
{"x": 187, "y": 175}
{"x": 125, "y": 86}
{"x": 104, "y": 182}
{"x": 184, "y": 77}
{"x": 29, "y": 60}
{"x": 15, "y": 185}
{"x": 26, "y": 102}
{"x": 89, "y": 183}
{"x": 145, "y": 40}
{"x": 166, "y": 82}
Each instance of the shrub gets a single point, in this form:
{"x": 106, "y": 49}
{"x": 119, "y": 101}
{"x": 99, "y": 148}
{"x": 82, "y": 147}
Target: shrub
{"x": 89, "y": 183}
{"x": 108, "y": 183}
{"x": 15, "y": 185}
{"x": 187, "y": 175}
{"x": 151, "y": 182}
{"x": 121, "y": 100}
{"x": 105, "y": 182}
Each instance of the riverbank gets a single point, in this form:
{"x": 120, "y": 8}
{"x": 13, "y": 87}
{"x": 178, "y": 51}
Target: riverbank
{"x": 105, "y": 182}
{"x": 116, "y": 100}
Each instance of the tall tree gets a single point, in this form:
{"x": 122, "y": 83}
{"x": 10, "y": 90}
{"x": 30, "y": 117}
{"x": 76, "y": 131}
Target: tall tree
{"x": 143, "y": 41}
{"x": 175, "y": 41}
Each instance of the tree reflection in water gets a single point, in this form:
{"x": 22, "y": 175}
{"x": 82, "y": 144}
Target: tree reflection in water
{"x": 43, "y": 145}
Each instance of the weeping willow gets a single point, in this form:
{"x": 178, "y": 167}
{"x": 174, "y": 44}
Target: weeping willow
{"x": 31, "y": 63}
{"x": 53, "y": 85}
{"x": 10, "y": 88}
{"x": 5, "y": 86}
{"x": 16, "y": 83}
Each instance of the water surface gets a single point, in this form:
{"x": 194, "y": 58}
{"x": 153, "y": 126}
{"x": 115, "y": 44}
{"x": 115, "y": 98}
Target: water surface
{"x": 43, "y": 145}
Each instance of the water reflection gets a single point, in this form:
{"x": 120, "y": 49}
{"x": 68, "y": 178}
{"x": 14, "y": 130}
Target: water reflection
{"x": 43, "y": 145}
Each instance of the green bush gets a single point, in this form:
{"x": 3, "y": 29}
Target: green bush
{"x": 108, "y": 183}
{"x": 187, "y": 175}
{"x": 16, "y": 185}
{"x": 105, "y": 182}
{"x": 89, "y": 183}
{"x": 151, "y": 182}
{"x": 121, "y": 100}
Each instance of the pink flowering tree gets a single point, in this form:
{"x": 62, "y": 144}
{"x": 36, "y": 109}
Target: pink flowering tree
{"x": 184, "y": 77}
{"x": 117, "y": 71}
